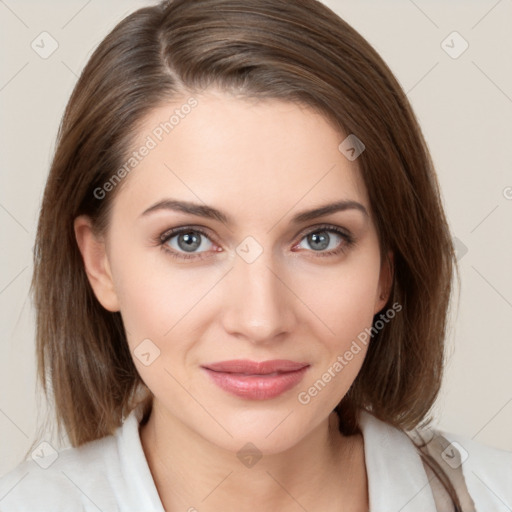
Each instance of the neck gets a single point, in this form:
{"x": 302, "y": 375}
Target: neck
{"x": 192, "y": 473}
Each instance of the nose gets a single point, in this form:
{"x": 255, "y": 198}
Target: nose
{"x": 258, "y": 305}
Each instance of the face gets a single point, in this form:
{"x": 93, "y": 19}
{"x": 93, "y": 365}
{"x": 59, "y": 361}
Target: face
{"x": 259, "y": 281}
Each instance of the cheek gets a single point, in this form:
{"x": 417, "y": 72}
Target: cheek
{"x": 152, "y": 294}
{"x": 353, "y": 307}
{"x": 344, "y": 301}
{"x": 154, "y": 300}
{"x": 347, "y": 311}
{"x": 344, "y": 298}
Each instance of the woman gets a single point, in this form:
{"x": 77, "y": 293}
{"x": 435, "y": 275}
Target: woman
{"x": 242, "y": 276}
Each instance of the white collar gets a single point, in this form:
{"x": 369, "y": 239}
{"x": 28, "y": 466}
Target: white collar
{"x": 396, "y": 477}
{"x": 140, "y": 483}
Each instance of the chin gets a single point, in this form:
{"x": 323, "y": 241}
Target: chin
{"x": 271, "y": 429}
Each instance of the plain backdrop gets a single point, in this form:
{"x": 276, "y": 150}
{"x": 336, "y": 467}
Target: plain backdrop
{"x": 463, "y": 100}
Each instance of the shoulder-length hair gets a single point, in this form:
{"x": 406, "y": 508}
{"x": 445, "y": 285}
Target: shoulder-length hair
{"x": 296, "y": 51}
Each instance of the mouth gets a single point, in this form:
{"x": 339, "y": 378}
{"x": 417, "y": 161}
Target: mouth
{"x": 248, "y": 367}
{"x": 256, "y": 380}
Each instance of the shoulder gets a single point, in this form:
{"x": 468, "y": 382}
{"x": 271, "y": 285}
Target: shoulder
{"x": 397, "y": 475}
{"x": 69, "y": 479}
{"x": 487, "y": 470}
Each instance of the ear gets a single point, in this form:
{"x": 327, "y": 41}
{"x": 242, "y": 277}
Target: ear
{"x": 96, "y": 263}
{"x": 385, "y": 281}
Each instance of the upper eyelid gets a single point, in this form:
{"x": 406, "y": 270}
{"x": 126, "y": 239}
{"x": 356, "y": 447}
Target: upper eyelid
{"x": 170, "y": 233}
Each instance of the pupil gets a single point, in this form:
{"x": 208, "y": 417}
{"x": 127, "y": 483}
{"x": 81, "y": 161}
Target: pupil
{"x": 191, "y": 241}
{"x": 322, "y": 240}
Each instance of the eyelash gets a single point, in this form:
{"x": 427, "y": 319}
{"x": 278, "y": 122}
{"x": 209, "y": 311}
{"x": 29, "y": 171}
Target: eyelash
{"x": 348, "y": 240}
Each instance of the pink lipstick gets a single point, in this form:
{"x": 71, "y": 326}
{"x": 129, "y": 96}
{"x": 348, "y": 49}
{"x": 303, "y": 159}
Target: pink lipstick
{"x": 256, "y": 380}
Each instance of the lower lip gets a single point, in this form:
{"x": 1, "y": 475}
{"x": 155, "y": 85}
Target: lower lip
{"x": 257, "y": 387}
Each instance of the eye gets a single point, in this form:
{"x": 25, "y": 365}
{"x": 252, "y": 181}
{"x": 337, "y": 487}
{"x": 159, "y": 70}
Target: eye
{"x": 322, "y": 238}
{"x": 185, "y": 242}
{"x": 189, "y": 242}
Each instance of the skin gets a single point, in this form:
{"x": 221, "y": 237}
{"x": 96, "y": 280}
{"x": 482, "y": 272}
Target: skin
{"x": 261, "y": 163}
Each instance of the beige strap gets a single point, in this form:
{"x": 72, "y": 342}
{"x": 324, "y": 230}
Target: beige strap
{"x": 431, "y": 443}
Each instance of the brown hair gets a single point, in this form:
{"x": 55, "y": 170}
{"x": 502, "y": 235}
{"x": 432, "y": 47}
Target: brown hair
{"x": 296, "y": 51}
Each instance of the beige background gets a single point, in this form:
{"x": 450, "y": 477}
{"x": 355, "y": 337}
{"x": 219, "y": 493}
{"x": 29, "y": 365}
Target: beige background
{"x": 464, "y": 106}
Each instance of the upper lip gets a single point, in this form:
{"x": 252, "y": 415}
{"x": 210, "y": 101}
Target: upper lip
{"x": 255, "y": 367}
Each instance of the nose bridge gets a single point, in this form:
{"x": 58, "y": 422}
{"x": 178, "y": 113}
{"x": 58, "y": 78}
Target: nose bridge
{"x": 259, "y": 305}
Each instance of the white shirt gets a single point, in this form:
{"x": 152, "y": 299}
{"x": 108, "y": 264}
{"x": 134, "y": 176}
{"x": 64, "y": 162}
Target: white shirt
{"x": 112, "y": 474}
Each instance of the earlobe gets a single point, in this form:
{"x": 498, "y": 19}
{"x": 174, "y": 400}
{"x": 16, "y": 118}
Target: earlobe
{"x": 96, "y": 263}
{"x": 385, "y": 281}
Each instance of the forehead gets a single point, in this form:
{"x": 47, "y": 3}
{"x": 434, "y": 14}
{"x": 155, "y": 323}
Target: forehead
{"x": 240, "y": 155}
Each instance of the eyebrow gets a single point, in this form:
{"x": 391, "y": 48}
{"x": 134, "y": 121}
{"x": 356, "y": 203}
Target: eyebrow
{"x": 212, "y": 213}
